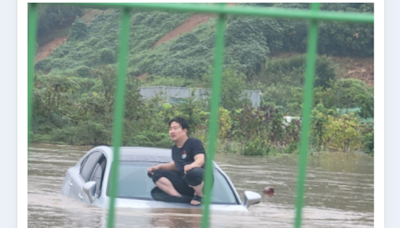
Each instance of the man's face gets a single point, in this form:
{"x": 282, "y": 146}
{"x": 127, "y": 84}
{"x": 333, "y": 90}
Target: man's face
{"x": 176, "y": 132}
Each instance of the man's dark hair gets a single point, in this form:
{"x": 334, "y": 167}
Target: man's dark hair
{"x": 184, "y": 124}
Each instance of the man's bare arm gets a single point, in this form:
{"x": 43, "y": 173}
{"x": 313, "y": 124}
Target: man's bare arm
{"x": 198, "y": 160}
{"x": 168, "y": 166}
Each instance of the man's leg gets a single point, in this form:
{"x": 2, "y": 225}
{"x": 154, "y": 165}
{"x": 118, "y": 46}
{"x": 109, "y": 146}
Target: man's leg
{"x": 171, "y": 183}
{"x": 194, "y": 178}
{"x": 162, "y": 178}
{"x": 198, "y": 191}
{"x": 164, "y": 184}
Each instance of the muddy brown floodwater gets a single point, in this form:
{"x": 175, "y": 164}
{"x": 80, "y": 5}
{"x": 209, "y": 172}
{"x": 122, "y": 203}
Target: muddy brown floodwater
{"x": 339, "y": 193}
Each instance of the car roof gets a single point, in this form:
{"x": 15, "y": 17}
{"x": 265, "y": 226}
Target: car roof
{"x": 145, "y": 151}
{"x": 145, "y": 154}
{"x": 142, "y": 154}
{"x": 138, "y": 154}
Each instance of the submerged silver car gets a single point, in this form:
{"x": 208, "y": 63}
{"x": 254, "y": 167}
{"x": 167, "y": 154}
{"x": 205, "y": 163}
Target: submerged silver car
{"x": 88, "y": 181}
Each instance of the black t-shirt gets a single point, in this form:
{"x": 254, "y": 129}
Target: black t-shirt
{"x": 185, "y": 155}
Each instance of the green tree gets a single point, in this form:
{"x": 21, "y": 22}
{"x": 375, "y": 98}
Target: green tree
{"x": 78, "y": 31}
{"x": 53, "y": 102}
{"x": 233, "y": 84}
{"x": 107, "y": 56}
{"x": 366, "y": 102}
{"x": 320, "y": 122}
{"x": 290, "y": 71}
{"x": 191, "y": 109}
{"x": 335, "y": 38}
{"x": 352, "y": 93}
{"x": 343, "y": 133}
{"x": 367, "y": 135}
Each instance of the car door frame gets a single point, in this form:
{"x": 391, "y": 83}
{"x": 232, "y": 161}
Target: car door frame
{"x": 79, "y": 181}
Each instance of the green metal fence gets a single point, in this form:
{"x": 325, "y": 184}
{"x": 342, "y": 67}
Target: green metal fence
{"x": 313, "y": 15}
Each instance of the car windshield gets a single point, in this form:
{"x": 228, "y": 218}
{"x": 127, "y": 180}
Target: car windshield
{"x": 135, "y": 183}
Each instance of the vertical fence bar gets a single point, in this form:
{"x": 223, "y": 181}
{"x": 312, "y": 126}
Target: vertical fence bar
{"x": 119, "y": 112}
{"x": 305, "y": 126}
{"x": 213, "y": 127}
{"x": 32, "y": 22}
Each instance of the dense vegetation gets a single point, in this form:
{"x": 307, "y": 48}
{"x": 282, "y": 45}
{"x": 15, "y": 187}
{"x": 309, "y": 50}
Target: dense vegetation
{"x": 74, "y": 87}
{"x": 249, "y": 42}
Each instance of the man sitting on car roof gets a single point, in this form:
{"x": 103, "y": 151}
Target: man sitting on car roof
{"x": 183, "y": 176}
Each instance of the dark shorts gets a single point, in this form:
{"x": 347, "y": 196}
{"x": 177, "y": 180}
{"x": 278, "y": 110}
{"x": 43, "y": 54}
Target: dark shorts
{"x": 193, "y": 177}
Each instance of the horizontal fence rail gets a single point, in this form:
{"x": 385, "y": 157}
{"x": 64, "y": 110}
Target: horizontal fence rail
{"x": 222, "y": 10}
{"x": 247, "y": 11}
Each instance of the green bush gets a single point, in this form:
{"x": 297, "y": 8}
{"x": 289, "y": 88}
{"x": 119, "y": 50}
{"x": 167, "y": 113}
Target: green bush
{"x": 233, "y": 84}
{"x": 278, "y": 95}
{"x": 290, "y": 71}
{"x": 83, "y": 71}
{"x": 351, "y": 93}
{"x": 367, "y": 132}
{"x": 232, "y": 147}
{"x": 66, "y": 135}
{"x": 368, "y": 143}
{"x": 107, "y": 56}
{"x": 346, "y": 39}
{"x": 43, "y": 65}
{"x": 87, "y": 133}
{"x": 184, "y": 41}
{"x": 256, "y": 147}
{"x": 40, "y": 138}
{"x": 366, "y": 103}
{"x": 293, "y": 147}
{"x": 60, "y": 51}
{"x": 78, "y": 31}
{"x": 93, "y": 133}
{"x": 151, "y": 139}
{"x": 295, "y": 35}
{"x": 93, "y": 41}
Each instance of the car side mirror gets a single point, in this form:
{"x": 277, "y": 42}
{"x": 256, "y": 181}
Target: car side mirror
{"x": 89, "y": 188}
{"x": 251, "y": 198}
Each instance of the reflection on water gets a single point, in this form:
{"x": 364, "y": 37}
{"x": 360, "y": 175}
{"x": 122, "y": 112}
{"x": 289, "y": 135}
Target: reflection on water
{"x": 339, "y": 193}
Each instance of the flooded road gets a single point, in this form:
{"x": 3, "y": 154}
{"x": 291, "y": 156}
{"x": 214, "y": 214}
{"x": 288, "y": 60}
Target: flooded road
{"x": 339, "y": 193}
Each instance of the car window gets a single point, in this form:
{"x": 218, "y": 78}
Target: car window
{"x": 89, "y": 165}
{"x": 134, "y": 183}
{"x": 83, "y": 164}
{"x": 98, "y": 173}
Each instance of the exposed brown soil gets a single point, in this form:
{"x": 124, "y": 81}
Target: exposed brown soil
{"x": 359, "y": 68}
{"x": 187, "y": 26}
{"x": 143, "y": 76}
{"x": 48, "y": 48}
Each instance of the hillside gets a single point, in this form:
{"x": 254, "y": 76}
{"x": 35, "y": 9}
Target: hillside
{"x": 347, "y": 67}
